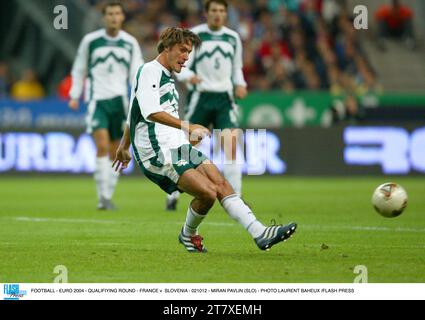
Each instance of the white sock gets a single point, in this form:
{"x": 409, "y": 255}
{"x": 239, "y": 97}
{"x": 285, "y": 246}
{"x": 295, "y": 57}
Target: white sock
{"x": 193, "y": 220}
{"x": 240, "y": 212}
{"x": 113, "y": 180}
{"x": 101, "y": 176}
{"x": 174, "y": 195}
{"x": 233, "y": 174}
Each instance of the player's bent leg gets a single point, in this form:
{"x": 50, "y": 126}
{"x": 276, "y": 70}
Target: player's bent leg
{"x": 205, "y": 193}
{"x": 103, "y": 168}
{"x": 200, "y": 187}
{"x": 223, "y": 187}
{"x": 275, "y": 234}
{"x": 264, "y": 237}
{"x": 195, "y": 112}
{"x": 231, "y": 202}
{"x": 189, "y": 236}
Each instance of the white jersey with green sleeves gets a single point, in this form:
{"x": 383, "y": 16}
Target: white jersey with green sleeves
{"x": 218, "y": 61}
{"x": 153, "y": 91}
{"x": 106, "y": 65}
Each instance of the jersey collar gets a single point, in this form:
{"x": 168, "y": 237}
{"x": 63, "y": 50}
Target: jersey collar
{"x": 216, "y": 32}
{"x": 108, "y": 37}
{"x": 167, "y": 72}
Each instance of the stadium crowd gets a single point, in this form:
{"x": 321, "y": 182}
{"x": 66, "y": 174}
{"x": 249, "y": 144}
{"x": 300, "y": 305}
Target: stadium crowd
{"x": 288, "y": 44}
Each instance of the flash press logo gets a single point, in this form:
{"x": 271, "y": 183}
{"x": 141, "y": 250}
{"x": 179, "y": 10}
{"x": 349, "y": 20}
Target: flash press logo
{"x": 12, "y": 292}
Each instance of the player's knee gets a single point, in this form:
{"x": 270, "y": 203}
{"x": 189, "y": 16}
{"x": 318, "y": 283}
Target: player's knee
{"x": 209, "y": 194}
{"x": 223, "y": 188}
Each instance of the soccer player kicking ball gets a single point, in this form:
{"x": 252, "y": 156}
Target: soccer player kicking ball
{"x": 163, "y": 152}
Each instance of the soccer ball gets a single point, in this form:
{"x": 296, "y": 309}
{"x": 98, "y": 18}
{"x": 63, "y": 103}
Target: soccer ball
{"x": 389, "y": 199}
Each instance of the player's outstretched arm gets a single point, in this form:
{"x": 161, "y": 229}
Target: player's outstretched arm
{"x": 78, "y": 73}
{"x": 237, "y": 76}
{"x": 123, "y": 156}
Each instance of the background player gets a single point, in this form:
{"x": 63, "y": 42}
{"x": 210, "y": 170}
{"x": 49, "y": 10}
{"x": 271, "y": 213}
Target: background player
{"x": 108, "y": 58}
{"x": 214, "y": 75}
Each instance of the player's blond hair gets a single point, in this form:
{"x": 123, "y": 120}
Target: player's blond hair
{"x": 172, "y": 36}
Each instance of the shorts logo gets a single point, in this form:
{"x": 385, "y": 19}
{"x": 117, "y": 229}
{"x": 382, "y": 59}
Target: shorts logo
{"x": 181, "y": 163}
{"x": 95, "y": 123}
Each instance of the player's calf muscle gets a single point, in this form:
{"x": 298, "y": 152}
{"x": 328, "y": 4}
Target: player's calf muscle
{"x": 201, "y": 207}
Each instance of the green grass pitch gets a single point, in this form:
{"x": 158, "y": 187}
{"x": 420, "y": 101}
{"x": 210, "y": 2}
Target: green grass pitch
{"x": 45, "y": 222}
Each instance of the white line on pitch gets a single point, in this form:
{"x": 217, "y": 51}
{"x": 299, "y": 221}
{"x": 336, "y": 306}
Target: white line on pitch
{"x": 29, "y": 219}
{"x": 221, "y": 224}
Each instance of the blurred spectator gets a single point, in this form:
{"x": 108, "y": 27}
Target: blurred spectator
{"x": 288, "y": 44}
{"x": 272, "y": 48}
{"x": 64, "y": 88}
{"x": 28, "y": 87}
{"x": 291, "y": 5}
{"x": 312, "y": 6}
{"x": 366, "y": 81}
{"x": 395, "y": 20}
{"x": 311, "y": 12}
{"x": 349, "y": 109}
{"x": 280, "y": 79}
{"x": 331, "y": 9}
{"x": 4, "y": 80}
{"x": 251, "y": 66}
